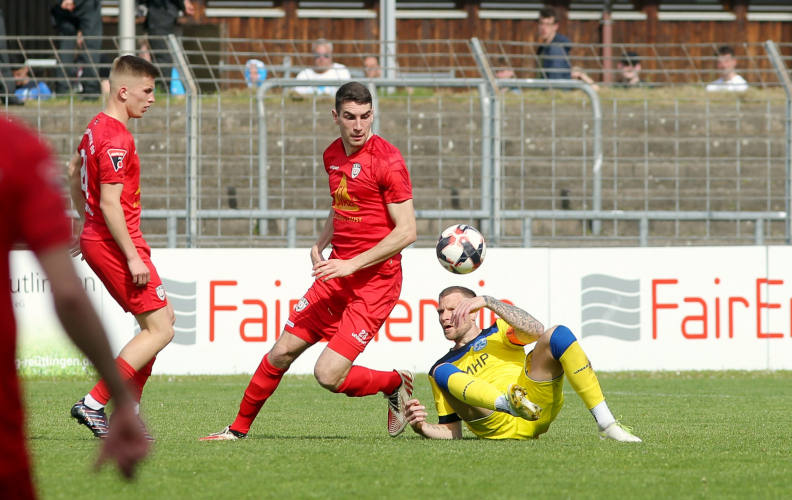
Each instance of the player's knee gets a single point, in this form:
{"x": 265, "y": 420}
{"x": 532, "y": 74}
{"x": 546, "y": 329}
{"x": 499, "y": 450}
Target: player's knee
{"x": 327, "y": 378}
{"x": 280, "y": 357}
{"x": 560, "y": 340}
{"x": 442, "y": 373}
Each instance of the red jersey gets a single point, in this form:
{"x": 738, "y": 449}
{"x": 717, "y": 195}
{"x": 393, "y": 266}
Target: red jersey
{"x": 32, "y": 212}
{"x": 362, "y": 185}
{"x": 109, "y": 156}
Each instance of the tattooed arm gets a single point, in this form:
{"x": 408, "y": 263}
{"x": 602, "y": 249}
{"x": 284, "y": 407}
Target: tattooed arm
{"x": 527, "y": 328}
{"x": 522, "y": 322}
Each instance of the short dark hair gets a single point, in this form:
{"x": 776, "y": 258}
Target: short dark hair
{"x": 134, "y": 66}
{"x": 17, "y": 61}
{"x": 630, "y": 59}
{"x": 547, "y": 13}
{"x": 352, "y": 91}
{"x": 466, "y": 292}
{"x": 726, "y": 50}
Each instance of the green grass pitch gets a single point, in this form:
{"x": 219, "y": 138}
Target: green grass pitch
{"x": 707, "y": 435}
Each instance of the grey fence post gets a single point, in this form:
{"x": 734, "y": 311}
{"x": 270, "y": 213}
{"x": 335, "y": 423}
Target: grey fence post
{"x": 375, "y": 127}
{"x": 527, "y": 232}
{"x": 291, "y": 232}
{"x": 644, "y": 232}
{"x": 783, "y": 76}
{"x": 759, "y": 232}
{"x": 493, "y": 139}
{"x": 486, "y": 160}
{"x": 191, "y": 87}
{"x": 172, "y": 229}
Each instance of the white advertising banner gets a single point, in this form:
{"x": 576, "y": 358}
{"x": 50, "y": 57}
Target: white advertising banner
{"x": 632, "y": 308}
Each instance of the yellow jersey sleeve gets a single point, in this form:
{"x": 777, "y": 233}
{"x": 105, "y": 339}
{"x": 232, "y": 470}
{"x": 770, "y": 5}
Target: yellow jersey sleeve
{"x": 445, "y": 413}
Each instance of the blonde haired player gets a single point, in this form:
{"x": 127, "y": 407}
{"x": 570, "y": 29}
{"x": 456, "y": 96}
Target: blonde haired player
{"x": 487, "y": 381}
{"x": 104, "y": 181}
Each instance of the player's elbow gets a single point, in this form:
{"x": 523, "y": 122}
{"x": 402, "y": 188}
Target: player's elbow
{"x": 409, "y": 234}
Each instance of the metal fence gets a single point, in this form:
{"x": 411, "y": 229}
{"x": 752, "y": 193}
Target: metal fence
{"x": 529, "y": 160}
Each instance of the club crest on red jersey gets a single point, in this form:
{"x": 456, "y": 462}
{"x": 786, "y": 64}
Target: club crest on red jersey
{"x": 356, "y": 170}
{"x": 117, "y": 157}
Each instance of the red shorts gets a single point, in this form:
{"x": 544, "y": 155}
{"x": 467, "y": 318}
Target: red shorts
{"x": 110, "y": 265}
{"x": 348, "y": 311}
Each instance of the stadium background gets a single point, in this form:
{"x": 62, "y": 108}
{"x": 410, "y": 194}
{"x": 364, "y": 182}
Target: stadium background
{"x": 672, "y": 165}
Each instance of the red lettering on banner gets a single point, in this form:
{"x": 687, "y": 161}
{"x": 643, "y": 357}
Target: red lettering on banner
{"x": 277, "y": 316}
{"x": 702, "y": 318}
{"x": 717, "y": 318}
{"x": 392, "y": 320}
{"x": 768, "y": 305}
{"x": 656, "y": 305}
{"x": 732, "y": 300}
{"x": 254, "y": 321}
{"x": 421, "y": 304}
{"x": 213, "y": 307}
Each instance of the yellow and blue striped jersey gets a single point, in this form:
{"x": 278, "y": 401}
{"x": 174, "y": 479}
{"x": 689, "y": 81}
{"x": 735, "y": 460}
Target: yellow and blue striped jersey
{"x": 495, "y": 356}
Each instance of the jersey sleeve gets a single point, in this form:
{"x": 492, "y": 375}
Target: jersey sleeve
{"x": 394, "y": 180}
{"x": 507, "y": 336}
{"x": 41, "y": 218}
{"x": 111, "y": 155}
{"x": 445, "y": 413}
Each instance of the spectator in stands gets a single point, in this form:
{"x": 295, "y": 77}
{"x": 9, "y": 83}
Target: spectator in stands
{"x": 27, "y": 89}
{"x": 729, "y": 80}
{"x": 372, "y": 67}
{"x": 324, "y": 69}
{"x": 554, "y": 51}
{"x": 255, "y": 73}
{"x": 630, "y": 67}
{"x": 503, "y": 71}
{"x": 7, "y": 86}
{"x": 69, "y": 17}
{"x": 176, "y": 85}
{"x": 160, "y": 21}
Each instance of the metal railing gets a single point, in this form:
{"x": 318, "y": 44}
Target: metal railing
{"x": 528, "y": 160}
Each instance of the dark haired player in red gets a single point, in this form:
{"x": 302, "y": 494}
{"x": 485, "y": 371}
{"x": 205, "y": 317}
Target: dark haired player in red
{"x": 32, "y": 212}
{"x": 104, "y": 178}
{"x": 371, "y": 222}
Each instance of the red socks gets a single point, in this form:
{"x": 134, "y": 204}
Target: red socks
{"x": 101, "y": 393}
{"x": 135, "y": 381}
{"x": 139, "y": 380}
{"x": 364, "y": 382}
{"x": 261, "y": 387}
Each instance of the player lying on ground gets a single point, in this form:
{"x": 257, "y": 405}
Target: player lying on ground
{"x": 371, "y": 221}
{"x": 32, "y": 212}
{"x": 104, "y": 180}
{"x": 487, "y": 381}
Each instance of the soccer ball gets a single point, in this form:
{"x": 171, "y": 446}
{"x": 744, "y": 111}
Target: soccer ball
{"x": 461, "y": 249}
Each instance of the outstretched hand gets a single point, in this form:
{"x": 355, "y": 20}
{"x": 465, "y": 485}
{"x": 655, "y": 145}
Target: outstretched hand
{"x": 126, "y": 444}
{"x": 466, "y": 307}
{"x": 415, "y": 414}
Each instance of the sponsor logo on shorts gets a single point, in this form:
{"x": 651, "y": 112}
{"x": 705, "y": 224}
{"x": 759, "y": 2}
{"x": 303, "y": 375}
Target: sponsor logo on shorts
{"x": 117, "y": 157}
{"x": 161, "y": 292}
{"x": 356, "y": 170}
{"x": 480, "y": 344}
{"x": 333, "y": 167}
{"x": 289, "y": 323}
{"x": 302, "y": 304}
{"x": 362, "y": 337}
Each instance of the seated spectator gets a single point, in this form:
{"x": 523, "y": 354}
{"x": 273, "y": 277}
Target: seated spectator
{"x": 729, "y": 80}
{"x": 630, "y": 67}
{"x": 504, "y": 72}
{"x": 324, "y": 69}
{"x": 554, "y": 51}
{"x": 372, "y": 67}
{"x": 27, "y": 89}
{"x": 255, "y": 73}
